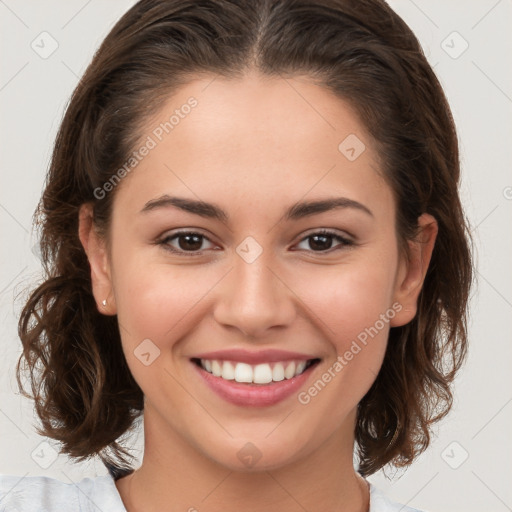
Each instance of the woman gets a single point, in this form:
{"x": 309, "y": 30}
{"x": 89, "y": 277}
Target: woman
{"x": 252, "y": 233}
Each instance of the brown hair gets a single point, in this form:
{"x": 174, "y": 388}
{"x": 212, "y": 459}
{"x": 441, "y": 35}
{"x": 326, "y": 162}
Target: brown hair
{"x": 85, "y": 395}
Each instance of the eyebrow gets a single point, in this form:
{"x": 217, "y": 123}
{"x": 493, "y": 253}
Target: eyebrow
{"x": 295, "y": 212}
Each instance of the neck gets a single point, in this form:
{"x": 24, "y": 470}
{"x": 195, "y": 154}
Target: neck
{"x": 174, "y": 475}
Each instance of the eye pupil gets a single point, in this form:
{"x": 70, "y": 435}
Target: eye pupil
{"x": 193, "y": 242}
{"x": 322, "y": 246}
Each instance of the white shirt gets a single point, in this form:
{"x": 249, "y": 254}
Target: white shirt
{"x": 44, "y": 494}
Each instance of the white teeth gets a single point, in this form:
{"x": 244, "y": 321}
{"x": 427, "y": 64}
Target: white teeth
{"x": 278, "y": 373}
{"x": 290, "y": 370}
{"x": 257, "y": 374}
{"x": 243, "y": 373}
{"x": 228, "y": 371}
{"x": 262, "y": 374}
{"x": 300, "y": 367}
{"x": 216, "y": 367}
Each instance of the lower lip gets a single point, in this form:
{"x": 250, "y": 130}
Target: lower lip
{"x": 255, "y": 395}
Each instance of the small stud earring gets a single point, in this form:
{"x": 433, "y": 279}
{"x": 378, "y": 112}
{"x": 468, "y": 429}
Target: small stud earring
{"x": 104, "y": 302}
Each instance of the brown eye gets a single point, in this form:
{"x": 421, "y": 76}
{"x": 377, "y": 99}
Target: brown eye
{"x": 322, "y": 241}
{"x": 191, "y": 243}
{"x": 185, "y": 241}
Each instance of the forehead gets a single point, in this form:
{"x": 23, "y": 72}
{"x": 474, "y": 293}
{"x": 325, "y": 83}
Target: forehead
{"x": 255, "y": 138}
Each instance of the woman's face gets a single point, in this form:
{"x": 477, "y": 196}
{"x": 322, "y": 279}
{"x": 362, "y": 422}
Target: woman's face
{"x": 254, "y": 278}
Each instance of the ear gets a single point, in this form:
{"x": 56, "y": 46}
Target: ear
{"x": 412, "y": 270}
{"x": 97, "y": 254}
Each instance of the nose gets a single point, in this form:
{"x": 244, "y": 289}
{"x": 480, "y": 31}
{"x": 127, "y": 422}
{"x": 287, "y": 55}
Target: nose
{"x": 254, "y": 299}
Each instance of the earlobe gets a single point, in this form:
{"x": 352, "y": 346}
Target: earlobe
{"x": 412, "y": 271}
{"x": 94, "y": 247}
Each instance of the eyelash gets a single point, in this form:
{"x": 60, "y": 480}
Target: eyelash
{"x": 345, "y": 242}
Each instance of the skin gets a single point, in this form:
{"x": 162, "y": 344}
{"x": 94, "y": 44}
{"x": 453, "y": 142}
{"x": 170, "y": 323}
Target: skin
{"x": 253, "y": 146}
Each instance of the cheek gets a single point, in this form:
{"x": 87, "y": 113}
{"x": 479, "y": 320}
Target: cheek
{"x": 348, "y": 299}
{"x": 154, "y": 301}
{"x": 158, "y": 305}
{"x": 354, "y": 314}
{"x": 353, "y": 306}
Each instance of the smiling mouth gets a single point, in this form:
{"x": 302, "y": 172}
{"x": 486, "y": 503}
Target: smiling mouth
{"x": 259, "y": 374}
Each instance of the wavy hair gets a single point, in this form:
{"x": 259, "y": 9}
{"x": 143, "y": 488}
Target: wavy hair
{"x": 362, "y": 51}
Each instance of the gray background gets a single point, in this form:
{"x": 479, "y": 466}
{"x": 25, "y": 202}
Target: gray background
{"x": 469, "y": 463}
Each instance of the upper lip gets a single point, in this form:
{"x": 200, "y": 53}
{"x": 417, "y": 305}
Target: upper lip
{"x": 246, "y": 356}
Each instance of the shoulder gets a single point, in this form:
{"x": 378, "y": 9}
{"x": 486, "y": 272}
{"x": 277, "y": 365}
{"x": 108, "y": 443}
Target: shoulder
{"x": 44, "y": 494}
{"x": 379, "y": 502}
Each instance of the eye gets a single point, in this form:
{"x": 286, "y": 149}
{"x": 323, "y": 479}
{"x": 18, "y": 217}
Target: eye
{"x": 190, "y": 243}
{"x": 186, "y": 242}
{"x": 322, "y": 241}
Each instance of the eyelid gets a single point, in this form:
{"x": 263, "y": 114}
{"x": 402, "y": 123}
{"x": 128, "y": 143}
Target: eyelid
{"x": 345, "y": 241}
{"x": 328, "y": 231}
{"x": 162, "y": 240}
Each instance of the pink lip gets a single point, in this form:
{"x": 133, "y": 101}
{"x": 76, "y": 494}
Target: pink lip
{"x": 245, "y": 356}
{"x": 255, "y": 395}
